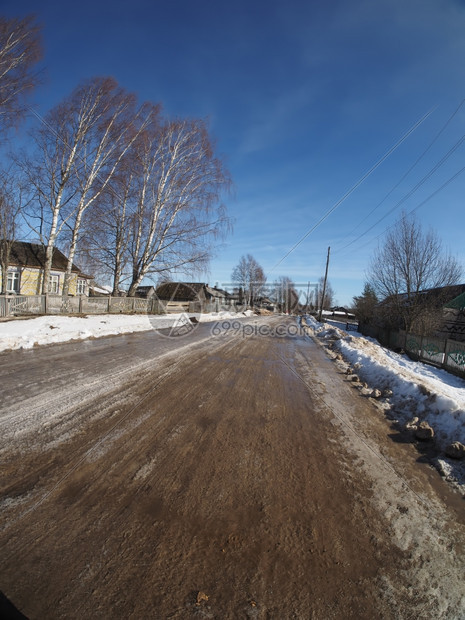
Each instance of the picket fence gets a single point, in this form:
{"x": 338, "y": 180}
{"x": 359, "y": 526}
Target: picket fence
{"x": 26, "y": 305}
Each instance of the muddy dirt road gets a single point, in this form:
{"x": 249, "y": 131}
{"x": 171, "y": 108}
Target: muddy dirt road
{"x": 236, "y": 476}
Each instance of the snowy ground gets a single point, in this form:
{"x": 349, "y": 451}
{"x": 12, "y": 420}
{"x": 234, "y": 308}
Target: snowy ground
{"x": 418, "y": 390}
{"x": 27, "y": 333}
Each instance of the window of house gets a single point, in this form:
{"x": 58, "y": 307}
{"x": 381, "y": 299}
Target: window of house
{"x": 12, "y": 283}
{"x": 54, "y": 284}
{"x": 81, "y": 287}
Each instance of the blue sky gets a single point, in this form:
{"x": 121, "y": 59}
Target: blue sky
{"x": 303, "y": 99}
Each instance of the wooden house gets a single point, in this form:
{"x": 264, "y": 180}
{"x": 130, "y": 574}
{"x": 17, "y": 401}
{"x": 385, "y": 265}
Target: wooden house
{"x": 184, "y": 296}
{"x": 26, "y": 269}
{"x": 221, "y": 298}
{"x": 439, "y": 312}
{"x": 146, "y": 292}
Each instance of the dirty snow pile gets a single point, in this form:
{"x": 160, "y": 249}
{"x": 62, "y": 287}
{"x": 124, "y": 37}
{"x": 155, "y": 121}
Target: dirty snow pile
{"x": 27, "y": 333}
{"x": 418, "y": 390}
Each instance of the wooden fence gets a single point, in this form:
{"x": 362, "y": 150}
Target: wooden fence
{"x": 448, "y": 354}
{"x": 26, "y": 305}
{"x": 443, "y": 353}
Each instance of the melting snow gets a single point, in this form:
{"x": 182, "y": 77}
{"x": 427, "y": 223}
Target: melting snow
{"x": 418, "y": 389}
{"x": 27, "y": 333}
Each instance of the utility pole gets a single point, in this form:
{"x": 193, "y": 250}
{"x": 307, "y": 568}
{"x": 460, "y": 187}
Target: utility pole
{"x": 324, "y": 285}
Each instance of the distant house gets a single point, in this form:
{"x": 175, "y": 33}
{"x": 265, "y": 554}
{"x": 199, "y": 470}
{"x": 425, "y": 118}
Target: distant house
{"x": 438, "y": 311}
{"x": 221, "y": 298}
{"x": 26, "y": 268}
{"x": 182, "y": 291}
{"x": 266, "y": 304}
{"x": 236, "y": 298}
{"x": 184, "y": 296}
{"x": 340, "y": 311}
{"x": 147, "y": 292}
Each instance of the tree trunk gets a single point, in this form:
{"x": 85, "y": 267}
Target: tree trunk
{"x": 116, "y": 277}
{"x": 136, "y": 280}
{"x": 48, "y": 265}
{"x": 72, "y": 253}
{"x": 4, "y": 268}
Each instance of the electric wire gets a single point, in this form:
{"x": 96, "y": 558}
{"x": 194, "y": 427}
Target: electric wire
{"x": 405, "y": 175}
{"x": 423, "y": 202}
{"x": 427, "y": 176}
{"x": 354, "y": 187}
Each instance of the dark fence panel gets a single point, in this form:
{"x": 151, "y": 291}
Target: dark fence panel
{"x": 455, "y": 356}
{"x": 441, "y": 352}
{"x": 17, "y": 305}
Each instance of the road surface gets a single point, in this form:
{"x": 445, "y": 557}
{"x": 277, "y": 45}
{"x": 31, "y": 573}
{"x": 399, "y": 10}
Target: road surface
{"x": 232, "y": 476}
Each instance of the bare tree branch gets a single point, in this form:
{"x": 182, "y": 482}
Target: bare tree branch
{"x": 409, "y": 262}
{"x": 11, "y": 207}
{"x": 250, "y": 277}
{"x": 20, "y": 49}
{"x": 177, "y": 213}
{"x": 78, "y": 148}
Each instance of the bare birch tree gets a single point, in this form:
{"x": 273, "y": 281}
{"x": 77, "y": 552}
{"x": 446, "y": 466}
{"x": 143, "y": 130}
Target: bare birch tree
{"x": 250, "y": 277}
{"x": 20, "y": 49}
{"x": 107, "y": 229}
{"x": 78, "y": 149}
{"x": 50, "y": 174}
{"x": 116, "y": 128}
{"x": 177, "y": 213}
{"x": 285, "y": 295}
{"x": 408, "y": 262}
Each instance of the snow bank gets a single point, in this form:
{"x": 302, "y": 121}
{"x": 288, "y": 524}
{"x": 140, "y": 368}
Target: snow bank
{"x": 430, "y": 393}
{"x": 27, "y": 333}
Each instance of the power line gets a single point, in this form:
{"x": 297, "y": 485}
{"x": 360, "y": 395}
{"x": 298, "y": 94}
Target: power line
{"x": 412, "y": 191}
{"x": 423, "y": 202}
{"x": 354, "y": 187}
{"x": 404, "y": 176}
